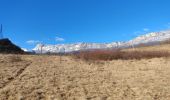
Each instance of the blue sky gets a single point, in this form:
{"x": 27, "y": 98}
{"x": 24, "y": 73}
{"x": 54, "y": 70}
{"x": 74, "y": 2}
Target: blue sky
{"x": 27, "y": 22}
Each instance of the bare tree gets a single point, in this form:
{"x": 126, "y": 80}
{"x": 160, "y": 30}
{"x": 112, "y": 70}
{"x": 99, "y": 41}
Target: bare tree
{"x": 132, "y": 44}
{"x": 41, "y": 48}
{"x": 62, "y": 51}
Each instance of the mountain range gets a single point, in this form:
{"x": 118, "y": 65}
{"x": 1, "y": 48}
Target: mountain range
{"x": 153, "y": 37}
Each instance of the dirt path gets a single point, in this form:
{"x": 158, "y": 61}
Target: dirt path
{"x": 18, "y": 73}
{"x": 48, "y": 79}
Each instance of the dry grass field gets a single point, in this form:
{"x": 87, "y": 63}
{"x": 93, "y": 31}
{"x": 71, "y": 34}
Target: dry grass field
{"x": 43, "y": 77}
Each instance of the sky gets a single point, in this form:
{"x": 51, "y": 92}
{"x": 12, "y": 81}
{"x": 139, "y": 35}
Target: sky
{"x": 28, "y": 22}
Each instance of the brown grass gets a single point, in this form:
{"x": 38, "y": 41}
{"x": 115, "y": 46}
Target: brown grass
{"x": 48, "y": 79}
{"x": 15, "y": 58}
{"x": 122, "y": 55}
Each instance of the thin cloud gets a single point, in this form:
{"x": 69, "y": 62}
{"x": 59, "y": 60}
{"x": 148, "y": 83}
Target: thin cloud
{"x": 168, "y": 25}
{"x": 136, "y": 33}
{"x": 145, "y": 29}
{"x": 59, "y": 39}
{"x": 32, "y": 42}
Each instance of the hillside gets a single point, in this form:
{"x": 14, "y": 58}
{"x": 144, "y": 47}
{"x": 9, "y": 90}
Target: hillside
{"x": 6, "y": 46}
{"x": 164, "y": 46}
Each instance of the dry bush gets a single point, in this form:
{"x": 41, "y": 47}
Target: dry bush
{"x": 117, "y": 54}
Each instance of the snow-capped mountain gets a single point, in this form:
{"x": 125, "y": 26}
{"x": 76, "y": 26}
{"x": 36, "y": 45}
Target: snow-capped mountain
{"x": 64, "y": 48}
{"x": 26, "y": 50}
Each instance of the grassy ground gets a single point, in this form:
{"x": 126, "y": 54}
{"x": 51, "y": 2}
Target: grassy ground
{"x": 27, "y": 77}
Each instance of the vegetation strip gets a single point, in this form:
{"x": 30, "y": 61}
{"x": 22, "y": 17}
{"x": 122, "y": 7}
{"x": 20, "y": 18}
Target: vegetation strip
{"x": 117, "y": 54}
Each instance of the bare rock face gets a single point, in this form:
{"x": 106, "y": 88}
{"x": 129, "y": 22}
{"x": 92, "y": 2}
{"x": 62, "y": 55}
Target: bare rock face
{"x": 6, "y": 46}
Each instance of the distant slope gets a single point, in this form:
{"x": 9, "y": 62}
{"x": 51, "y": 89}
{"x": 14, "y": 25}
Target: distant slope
{"x": 162, "y": 46}
{"x": 6, "y": 46}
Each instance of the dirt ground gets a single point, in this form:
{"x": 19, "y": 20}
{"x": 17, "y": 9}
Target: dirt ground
{"x": 28, "y": 77}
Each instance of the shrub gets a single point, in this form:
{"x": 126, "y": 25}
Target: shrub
{"x": 117, "y": 54}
